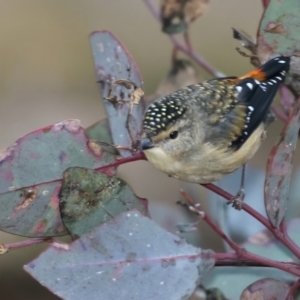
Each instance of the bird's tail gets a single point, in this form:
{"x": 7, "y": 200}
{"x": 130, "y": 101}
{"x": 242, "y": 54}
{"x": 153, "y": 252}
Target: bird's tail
{"x": 277, "y": 66}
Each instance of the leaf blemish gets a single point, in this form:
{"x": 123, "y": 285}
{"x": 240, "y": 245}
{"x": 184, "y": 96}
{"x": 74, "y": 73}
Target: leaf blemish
{"x": 95, "y": 147}
{"x": 29, "y": 195}
{"x": 61, "y": 246}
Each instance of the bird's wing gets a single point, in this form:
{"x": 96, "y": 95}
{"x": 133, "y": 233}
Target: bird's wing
{"x": 236, "y": 106}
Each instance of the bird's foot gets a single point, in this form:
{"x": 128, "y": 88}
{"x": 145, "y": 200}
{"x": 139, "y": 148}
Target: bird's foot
{"x": 238, "y": 200}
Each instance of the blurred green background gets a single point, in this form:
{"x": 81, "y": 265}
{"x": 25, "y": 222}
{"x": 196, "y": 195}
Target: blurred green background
{"x": 47, "y": 75}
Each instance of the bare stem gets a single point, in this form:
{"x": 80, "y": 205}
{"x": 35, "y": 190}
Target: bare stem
{"x": 240, "y": 254}
{"x": 135, "y": 157}
{"x": 279, "y": 113}
{"x": 282, "y": 237}
{"x": 6, "y": 247}
{"x": 209, "y": 221}
{"x": 265, "y": 3}
{"x": 293, "y": 290}
{"x": 187, "y": 49}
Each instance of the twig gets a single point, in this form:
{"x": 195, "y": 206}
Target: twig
{"x": 293, "y": 290}
{"x": 282, "y": 237}
{"x": 240, "y": 254}
{"x": 208, "y": 220}
{"x": 279, "y": 113}
{"x": 6, "y": 247}
{"x": 136, "y": 157}
{"x": 265, "y": 3}
{"x": 187, "y": 49}
{"x": 287, "y": 99}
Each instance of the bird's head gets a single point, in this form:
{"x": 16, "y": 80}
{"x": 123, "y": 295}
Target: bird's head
{"x": 167, "y": 128}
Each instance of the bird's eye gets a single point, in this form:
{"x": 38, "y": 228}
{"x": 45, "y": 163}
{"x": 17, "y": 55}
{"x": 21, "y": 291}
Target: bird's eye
{"x": 173, "y": 135}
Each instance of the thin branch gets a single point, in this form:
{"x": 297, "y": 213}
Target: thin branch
{"x": 240, "y": 254}
{"x": 283, "y": 238}
{"x": 7, "y": 247}
{"x": 265, "y": 3}
{"x": 279, "y": 113}
{"x": 208, "y": 220}
{"x": 187, "y": 49}
{"x": 125, "y": 160}
{"x": 287, "y": 99}
{"x": 293, "y": 290}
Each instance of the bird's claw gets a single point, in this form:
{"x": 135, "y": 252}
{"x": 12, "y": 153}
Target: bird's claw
{"x": 238, "y": 200}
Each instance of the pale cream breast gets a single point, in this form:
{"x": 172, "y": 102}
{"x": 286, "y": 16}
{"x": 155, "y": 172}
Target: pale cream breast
{"x": 208, "y": 163}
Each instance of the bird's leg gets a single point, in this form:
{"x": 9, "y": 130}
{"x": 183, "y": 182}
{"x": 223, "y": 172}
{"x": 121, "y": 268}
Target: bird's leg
{"x": 238, "y": 200}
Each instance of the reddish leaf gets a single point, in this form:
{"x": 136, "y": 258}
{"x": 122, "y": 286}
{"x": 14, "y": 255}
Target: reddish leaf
{"x": 130, "y": 257}
{"x": 31, "y": 172}
{"x": 266, "y": 289}
{"x": 112, "y": 63}
{"x": 279, "y": 170}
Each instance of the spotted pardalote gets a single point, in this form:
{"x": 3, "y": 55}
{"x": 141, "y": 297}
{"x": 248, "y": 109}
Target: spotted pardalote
{"x": 205, "y": 131}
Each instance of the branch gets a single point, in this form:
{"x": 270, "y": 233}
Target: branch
{"x": 122, "y": 161}
{"x": 293, "y": 290}
{"x": 279, "y": 113}
{"x": 240, "y": 254}
{"x": 265, "y": 3}
{"x": 281, "y": 236}
{"x": 4, "y": 248}
{"x": 187, "y": 49}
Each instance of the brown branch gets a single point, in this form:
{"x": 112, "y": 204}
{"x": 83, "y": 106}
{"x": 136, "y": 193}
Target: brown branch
{"x": 187, "y": 49}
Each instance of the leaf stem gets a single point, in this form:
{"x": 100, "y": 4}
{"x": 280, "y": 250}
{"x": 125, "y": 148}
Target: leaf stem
{"x": 293, "y": 290}
{"x": 6, "y": 247}
{"x": 124, "y": 160}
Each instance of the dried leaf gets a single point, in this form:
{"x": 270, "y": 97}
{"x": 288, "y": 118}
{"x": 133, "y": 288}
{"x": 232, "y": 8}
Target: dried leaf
{"x": 88, "y": 199}
{"x": 176, "y": 15}
{"x": 279, "y": 170}
{"x": 266, "y": 289}
{"x": 130, "y": 257}
{"x": 249, "y": 44}
{"x": 247, "y": 41}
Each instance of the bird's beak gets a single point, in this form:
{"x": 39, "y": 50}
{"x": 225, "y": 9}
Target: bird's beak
{"x": 146, "y": 144}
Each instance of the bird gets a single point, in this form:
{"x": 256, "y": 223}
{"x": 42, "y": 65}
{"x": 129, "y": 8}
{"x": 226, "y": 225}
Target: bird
{"x": 176, "y": 15}
{"x": 202, "y": 132}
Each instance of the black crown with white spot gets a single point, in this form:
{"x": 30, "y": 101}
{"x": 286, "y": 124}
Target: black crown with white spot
{"x": 163, "y": 113}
